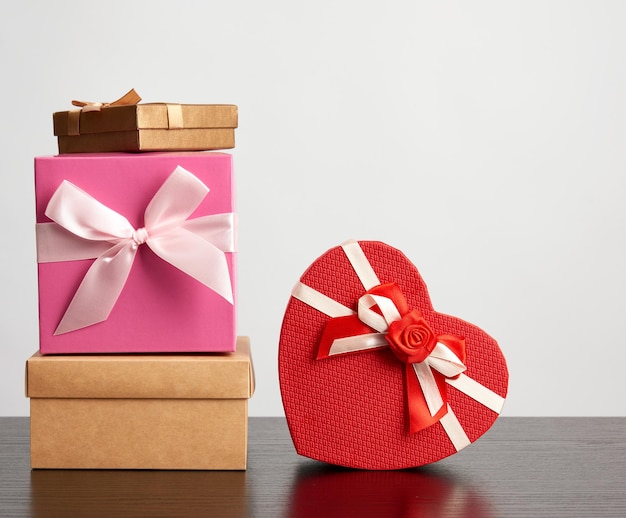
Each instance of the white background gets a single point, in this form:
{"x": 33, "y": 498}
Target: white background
{"x": 485, "y": 139}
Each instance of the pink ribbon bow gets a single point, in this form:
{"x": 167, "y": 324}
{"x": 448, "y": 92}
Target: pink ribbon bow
{"x": 84, "y": 228}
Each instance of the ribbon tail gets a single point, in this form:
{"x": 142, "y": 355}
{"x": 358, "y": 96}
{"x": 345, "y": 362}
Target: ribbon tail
{"x": 454, "y": 430}
{"x": 444, "y": 360}
{"x": 196, "y": 257}
{"x": 130, "y": 97}
{"x": 417, "y": 386}
{"x": 348, "y": 334}
{"x": 456, "y": 345}
{"x": 99, "y": 289}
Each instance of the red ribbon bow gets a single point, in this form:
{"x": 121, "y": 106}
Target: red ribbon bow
{"x": 384, "y": 319}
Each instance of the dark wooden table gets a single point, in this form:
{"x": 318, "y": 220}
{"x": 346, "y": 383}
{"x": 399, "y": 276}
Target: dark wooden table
{"x": 538, "y": 467}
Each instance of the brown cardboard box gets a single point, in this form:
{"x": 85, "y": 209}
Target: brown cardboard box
{"x": 147, "y": 127}
{"x": 140, "y": 411}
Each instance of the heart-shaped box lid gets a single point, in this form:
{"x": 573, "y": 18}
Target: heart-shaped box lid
{"x": 371, "y": 376}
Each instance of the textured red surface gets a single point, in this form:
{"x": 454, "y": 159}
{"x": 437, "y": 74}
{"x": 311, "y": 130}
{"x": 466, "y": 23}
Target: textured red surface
{"x": 350, "y": 410}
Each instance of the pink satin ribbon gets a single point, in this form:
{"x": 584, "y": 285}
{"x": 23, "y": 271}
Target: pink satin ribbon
{"x": 84, "y": 228}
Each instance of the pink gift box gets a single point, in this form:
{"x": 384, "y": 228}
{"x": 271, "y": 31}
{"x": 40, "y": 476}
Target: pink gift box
{"x": 160, "y": 308}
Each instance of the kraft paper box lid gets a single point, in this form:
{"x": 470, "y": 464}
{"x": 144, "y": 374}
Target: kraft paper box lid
{"x": 147, "y": 116}
{"x": 142, "y": 376}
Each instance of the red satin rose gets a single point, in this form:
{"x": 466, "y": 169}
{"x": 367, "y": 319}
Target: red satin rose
{"x": 410, "y": 338}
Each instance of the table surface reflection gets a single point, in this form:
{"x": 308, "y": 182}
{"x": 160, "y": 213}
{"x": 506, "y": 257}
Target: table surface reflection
{"x": 521, "y": 467}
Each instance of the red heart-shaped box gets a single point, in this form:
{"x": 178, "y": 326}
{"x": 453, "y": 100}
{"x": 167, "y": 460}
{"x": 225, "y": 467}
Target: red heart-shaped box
{"x": 351, "y": 409}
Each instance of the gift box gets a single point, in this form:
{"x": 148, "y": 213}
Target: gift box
{"x": 373, "y": 377}
{"x": 140, "y": 411}
{"x": 97, "y": 127}
{"x": 136, "y": 253}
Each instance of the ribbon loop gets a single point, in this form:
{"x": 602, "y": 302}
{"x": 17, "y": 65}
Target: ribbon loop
{"x": 196, "y": 247}
{"x": 130, "y": 97}
{"x": 371, "y": 318}
{"x": 175, "y": 201}
{"x": 81, "y": 214}
{"x": 73, "y": 116}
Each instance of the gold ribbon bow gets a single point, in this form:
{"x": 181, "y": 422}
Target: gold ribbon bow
{"x": 73, "y": 116}
{"x": 130, "y": 97}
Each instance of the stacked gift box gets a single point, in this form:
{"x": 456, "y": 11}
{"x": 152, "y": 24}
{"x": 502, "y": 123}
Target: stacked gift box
{"x": 139, "y": 364}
